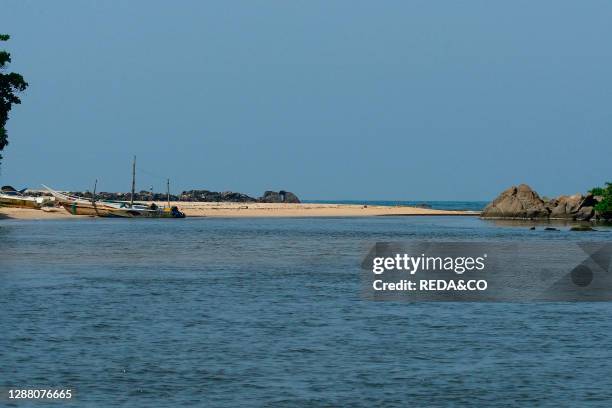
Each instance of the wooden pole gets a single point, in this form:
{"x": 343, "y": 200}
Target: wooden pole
{"x": 93, "y": 197}
{"x": 133, "y": 181}
{"x": 168, "y": 190}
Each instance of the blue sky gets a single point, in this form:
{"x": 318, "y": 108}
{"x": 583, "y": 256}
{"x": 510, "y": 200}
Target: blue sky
{"x": 329, "y": 99}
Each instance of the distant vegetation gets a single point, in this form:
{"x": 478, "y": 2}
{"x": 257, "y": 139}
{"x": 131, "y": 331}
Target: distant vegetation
{"x": 604, "y": 207}
{"x": 11, "y": 84}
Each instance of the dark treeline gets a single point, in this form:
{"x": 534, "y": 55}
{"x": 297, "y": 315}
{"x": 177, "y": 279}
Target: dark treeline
{"x": 197, "y": 196}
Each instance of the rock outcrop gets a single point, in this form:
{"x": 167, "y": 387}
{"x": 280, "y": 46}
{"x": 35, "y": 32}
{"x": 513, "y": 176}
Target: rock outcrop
{"x": 517, "y": 202}
{"x": 197, "y": 196}
{"x": 280, "y": 197}
{"x": 214, "y": 196}
{"x": 575, "y": 207}
{"x": 291, "y": 198}
{"x": 523, "y": 202}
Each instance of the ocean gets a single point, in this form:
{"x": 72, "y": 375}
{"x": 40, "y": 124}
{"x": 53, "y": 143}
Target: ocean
{"x": 260, "y": 312}
{"x": 436, "y": 205}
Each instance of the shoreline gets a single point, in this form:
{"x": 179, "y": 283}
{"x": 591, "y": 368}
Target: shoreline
{"x": 257, "y": 210}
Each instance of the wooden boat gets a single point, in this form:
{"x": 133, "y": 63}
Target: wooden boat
{"x": 122, "y": 209}
{"x": 80, "y": 206}
{"x": 12, "y": 198}
{"x": 91, "y": 209}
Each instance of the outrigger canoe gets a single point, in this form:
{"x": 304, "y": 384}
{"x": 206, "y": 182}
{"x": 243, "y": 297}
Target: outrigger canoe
{"x": 80, "y": 206}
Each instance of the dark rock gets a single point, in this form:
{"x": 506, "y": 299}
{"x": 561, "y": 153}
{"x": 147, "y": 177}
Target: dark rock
{"x": 214, "y": 196}
{"x": 532, "y": 228}
{"x": 271, "y": 197}
{"x": 236, "y": 197}
{"x": 196, "y": 195}
{"x": 551, "y": 229}
{"x": 517, "y": 202}
{"x": 279, "y": 197}
{"x": 291, "y": 198}
{"x": 603, "y": 216}
{"x": 591, "y": 201}
{"x": 582, "y": 228}
{"x": 584, "y": 214}
{"x": 191, "y": 195}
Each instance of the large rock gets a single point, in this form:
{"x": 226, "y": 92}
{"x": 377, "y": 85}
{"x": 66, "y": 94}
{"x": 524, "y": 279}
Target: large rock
{"x": 565, "y": 206}
{"x": 291, "y": 198}
{"x": 575, "y": 207}
{"x": 271, "y": 197}
{"x": 279, "y": 197}
{"x": 517, "y": 202}
{"x": 584, "y": 214}
{"x": 523, "y": 203}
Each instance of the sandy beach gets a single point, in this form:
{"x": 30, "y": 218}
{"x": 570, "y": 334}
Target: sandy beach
{"x": 32, "y": 214}
{"x": 202, "y": 209}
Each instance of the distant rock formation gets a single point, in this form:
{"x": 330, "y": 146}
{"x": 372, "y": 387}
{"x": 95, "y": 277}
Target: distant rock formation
{"x": 229, "y": 196}
{"x": 213, "y": 196}
{"x": 522, "y": 202}
{"x": 280, "y": 197}
{"x": 197, "y": 196}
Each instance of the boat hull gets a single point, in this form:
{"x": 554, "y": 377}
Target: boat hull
{"x": 19, "y": 202}
{"x": 79, "y": 206}
{"x": 75, "y": 208}
{"x": 146, "y": 213}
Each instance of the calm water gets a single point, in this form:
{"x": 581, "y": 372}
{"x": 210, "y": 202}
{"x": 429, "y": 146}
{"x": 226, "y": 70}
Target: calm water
{"x": 267, "y": 312}
{"x": 438, "y": 205}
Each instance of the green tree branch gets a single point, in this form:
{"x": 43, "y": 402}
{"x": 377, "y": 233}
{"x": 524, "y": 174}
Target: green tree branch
{"x": 10, "y": 85}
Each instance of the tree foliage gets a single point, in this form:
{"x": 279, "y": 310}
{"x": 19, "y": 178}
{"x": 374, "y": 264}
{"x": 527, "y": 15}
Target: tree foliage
{"x": 604, "y": 207}
{"x": 11, "y": 84}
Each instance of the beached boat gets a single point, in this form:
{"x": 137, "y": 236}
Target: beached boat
{"x": 146, "y": 211}
{"x": 12, "y": 198}
{"x": 91, "y": 208}
{"x": 139, "y": 210}
{"x": 122, "y": 209}
{"x": 80, "y": 206}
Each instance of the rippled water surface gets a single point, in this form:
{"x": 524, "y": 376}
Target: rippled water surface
{"x": 439, "y": 205}
{"x": 267, "y": 312}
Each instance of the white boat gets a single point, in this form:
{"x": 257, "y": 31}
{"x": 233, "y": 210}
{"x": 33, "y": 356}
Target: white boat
{"x": 13, "y": 198}
{"x": 146, "y": 211}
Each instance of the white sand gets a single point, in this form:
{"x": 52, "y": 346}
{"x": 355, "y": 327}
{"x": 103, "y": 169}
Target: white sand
{"x": 193, "y": 209}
